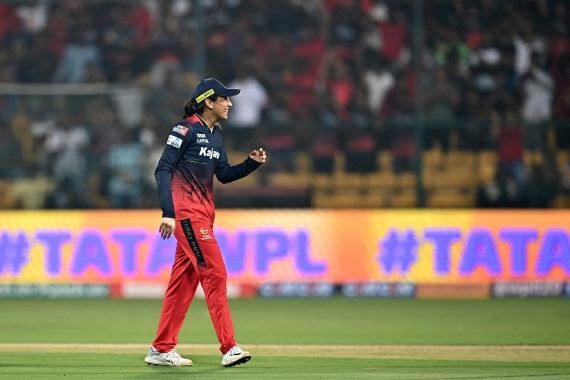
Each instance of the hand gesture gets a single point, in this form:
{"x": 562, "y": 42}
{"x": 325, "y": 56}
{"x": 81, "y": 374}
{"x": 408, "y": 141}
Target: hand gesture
{"x": 166, "y": 228}
{"x": 258, "y": 155}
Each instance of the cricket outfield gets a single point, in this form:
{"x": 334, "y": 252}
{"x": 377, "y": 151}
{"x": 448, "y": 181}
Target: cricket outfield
{"x": 294, "y": 338}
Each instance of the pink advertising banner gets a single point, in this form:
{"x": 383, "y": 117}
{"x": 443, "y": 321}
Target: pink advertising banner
{"x": 259, "y": 246}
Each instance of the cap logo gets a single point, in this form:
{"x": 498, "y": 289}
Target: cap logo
{"x": 206, "y": 94}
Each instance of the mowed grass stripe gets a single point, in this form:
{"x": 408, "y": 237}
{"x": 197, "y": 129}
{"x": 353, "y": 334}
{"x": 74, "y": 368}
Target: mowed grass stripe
{"x": 98, "y": 366}
{"x": 297, "y": 321}
{"x": 539, "y": 353}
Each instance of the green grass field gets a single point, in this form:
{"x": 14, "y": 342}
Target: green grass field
{"x": 294, "y": 338}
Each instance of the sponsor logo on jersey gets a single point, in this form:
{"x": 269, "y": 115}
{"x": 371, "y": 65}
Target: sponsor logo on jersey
{"x": 210, "y": 153}
{"x": 205, "y": 233}
{"x": 174, "y": 141}
{"x": 200, "y": 141}
{"x": 200, "y": 135}
{"x": 180, "y": 129}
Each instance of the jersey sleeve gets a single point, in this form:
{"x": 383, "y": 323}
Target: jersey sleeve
{"x": 176, "y": 144}
{"x": 226, "y": 173}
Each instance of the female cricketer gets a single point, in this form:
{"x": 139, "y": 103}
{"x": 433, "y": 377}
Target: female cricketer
{"x": 184, "y": 175}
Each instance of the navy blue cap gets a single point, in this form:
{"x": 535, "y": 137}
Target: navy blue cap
{"x": 211, "y": 86}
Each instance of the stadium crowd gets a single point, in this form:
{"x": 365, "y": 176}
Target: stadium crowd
{"x": 317, "y": 76}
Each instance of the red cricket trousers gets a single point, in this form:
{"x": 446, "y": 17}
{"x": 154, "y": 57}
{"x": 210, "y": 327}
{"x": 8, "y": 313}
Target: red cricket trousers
{"x": 198, "y": 259}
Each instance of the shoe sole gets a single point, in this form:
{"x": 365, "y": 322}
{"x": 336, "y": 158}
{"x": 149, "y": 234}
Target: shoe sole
{"x": 150, "y": 361}
{"x": 241, "y": 360}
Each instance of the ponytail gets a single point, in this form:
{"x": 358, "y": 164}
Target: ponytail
{"x": 190, "y": 108}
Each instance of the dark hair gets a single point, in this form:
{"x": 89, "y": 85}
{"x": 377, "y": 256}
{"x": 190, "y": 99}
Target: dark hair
{"x": 191, "y": 107}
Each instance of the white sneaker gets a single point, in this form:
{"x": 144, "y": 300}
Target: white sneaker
{"x": 166, "y": 358}
{"x": 235, "y": 356}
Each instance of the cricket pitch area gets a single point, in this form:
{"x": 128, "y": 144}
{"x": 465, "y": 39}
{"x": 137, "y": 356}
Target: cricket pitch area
{"x": 492, "y": 353}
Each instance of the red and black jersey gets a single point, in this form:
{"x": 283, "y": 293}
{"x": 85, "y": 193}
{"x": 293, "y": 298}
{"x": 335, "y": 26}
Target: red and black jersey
{"x": 193, "y": 154}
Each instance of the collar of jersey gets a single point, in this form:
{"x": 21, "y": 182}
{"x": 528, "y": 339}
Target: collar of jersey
{"x": 205, "y": 125}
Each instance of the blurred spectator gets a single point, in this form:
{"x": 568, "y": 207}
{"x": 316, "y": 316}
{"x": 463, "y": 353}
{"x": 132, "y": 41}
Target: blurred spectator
{"x": 10, "y": 156}
{"x": 119, "y": 42}
{"x": 511, "y": 147}
{"x": 125, "y": 162}
{"x": 33, "y": 17}
{"x": 9, "y": 22}
{"x": 562, "y": 103}
{"x": 247, "y": 112}
{"x": 130, "y": 105}
{"x": 526, "y": 44}
{"x": 360, "y": 115}
{"x": 540, "y": 189}
{"x": 94, "y": 74}
{"x": 441, "y": 107}
{"x": 378, "y": 80}
{"x": 165, "y": 70}
{"x": 66, "y": 148}
{"x": 38, "y": 62}
{"x": 8, "y": 68}
{"x": 249, "y": 105}
{"x": 538, "y": 88}
{"x": 77, "y": 56}
{"x": 393, "y": 29}
{"x": 325, "y": 112}
{"x": 346, "y": 23}
{"x": 302, "y": 76}
{"x": 359, "y": 138}
{"x": 402, "y": 139}
{"x": 276, "y": 111}
{"x": 500, "y": 193}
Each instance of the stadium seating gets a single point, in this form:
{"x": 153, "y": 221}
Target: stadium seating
{"x": 447, "y": 184}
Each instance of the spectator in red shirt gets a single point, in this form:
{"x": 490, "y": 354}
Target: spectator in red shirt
{"x": 510, "y": 145}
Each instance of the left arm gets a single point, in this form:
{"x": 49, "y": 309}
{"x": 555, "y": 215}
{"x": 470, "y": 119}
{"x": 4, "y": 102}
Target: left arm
{"x": 226, "y": 173}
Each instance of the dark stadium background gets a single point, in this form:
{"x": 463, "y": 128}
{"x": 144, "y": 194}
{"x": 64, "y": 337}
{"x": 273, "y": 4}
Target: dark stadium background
{"x": 360, "y": 103}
